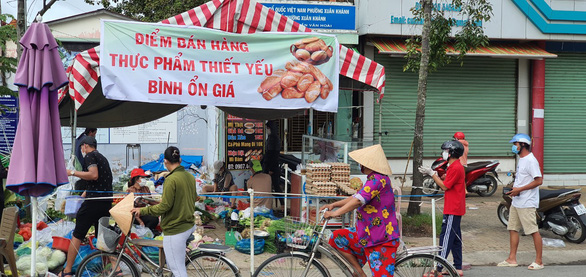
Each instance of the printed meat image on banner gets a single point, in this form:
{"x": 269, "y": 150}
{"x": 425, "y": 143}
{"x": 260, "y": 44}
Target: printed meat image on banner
{"x": 161, "y": 63}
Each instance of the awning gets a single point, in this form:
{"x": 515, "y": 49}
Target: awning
{"x": 495, "y": 49}
{"x": 236, "y": 16}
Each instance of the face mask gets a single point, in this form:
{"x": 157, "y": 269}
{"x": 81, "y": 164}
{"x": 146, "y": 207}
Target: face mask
{"x": 142, "y": 183}
{"x": 445, "y": 155}
{"x": 515, "y": 150}
{"x": 83, "y": 154}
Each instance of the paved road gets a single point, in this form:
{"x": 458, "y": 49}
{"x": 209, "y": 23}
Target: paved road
{"x": 558, "y": 270}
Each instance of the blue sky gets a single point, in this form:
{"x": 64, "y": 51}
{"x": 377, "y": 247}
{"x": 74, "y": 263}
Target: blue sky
{"x": 62, "y": 8}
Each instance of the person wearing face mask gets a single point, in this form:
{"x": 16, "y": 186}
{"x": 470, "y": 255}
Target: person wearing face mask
{"x": 375, "y": 237}
{"x": 525, "y": 201}
{"x": 137, "y": 185}
{"x": 176, "y": 210}
{"x": 454, "y": 186}
{"x": 97, "y": 193}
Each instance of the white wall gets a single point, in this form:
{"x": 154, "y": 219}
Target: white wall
{"x": 508, "y": 22}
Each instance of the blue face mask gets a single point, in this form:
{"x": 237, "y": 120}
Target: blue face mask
{"x": 514, "y": 149}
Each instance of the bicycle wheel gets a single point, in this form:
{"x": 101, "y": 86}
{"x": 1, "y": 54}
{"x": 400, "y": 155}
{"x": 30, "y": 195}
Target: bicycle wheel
{"x": 424, "y": 265}
{"x": 210, "y": 265}
{"x": 289, "y": 264}
{"x": 102, "y": 264}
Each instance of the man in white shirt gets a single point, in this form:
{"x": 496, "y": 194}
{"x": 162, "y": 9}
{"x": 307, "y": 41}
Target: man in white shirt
{"x": 525, "y": 193}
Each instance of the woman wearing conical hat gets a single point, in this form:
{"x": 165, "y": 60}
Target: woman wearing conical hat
{"x": 376, "y": 236}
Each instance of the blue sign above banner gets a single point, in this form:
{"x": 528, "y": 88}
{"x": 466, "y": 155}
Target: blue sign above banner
{"x": 8, "y": 122}
{"x": 316, "y": 16}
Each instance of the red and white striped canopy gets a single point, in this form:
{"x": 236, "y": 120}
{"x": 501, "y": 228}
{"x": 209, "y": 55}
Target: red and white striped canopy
{"x": 236, "y": 16}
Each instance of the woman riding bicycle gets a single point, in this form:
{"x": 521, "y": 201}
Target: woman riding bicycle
{"x": 376, "y": 236}
{"x": 176, "y": 210}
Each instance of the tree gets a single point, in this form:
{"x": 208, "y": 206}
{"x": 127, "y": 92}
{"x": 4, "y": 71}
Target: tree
{"x": 148, "y": 10}
{"x": 7, "y": 64}
{"x": 426, "y": 53}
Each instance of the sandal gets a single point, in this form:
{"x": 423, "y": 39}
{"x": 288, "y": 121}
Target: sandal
{"x": 506, "y": 264}
{"x": 535, "y": 266}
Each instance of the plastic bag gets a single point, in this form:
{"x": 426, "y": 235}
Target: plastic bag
{"x": 23, "y": 264}
{"x": 243, "y": 246}
{"x": 61, "y": 228}
{"x": 44, "y": 236}
{"x": 553, "y": 242}
{"x": 200, "y": 205}
{"x": 142, "y": 231}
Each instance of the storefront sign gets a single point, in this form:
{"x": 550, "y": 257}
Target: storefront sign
{"x": 511, "y": 19}
{"x": 8, "y": 122}
{"x": 244, "y": 141}
{"x": 448, "y": 8}
{"x": 317, "y": 16}
{"x": 160, "y": 63}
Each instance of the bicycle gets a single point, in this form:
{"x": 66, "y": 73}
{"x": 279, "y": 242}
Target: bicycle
{"x": 129, "y": 259}
{"x": 420, "y": 261}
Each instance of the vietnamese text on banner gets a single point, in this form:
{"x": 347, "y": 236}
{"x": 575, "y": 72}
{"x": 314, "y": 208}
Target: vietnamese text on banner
{"x": 160, "y": 63}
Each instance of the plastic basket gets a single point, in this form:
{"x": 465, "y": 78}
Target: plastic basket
{"x": 299, "y": 234}
{"x": 72, "y": 205}
{"x": 107, "y": 238}
{"x": 61, "y": 243}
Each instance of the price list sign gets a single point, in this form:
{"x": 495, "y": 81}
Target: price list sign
{"x": 8, "y": 122}
{"x": 244, "y": 141}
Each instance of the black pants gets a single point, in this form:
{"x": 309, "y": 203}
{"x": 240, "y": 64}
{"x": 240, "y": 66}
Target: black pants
{"x": 88, "y": 215}
{"x": 276, "y": 183}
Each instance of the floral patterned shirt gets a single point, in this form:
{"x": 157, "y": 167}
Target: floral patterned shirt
{"x": 377, "y": 223}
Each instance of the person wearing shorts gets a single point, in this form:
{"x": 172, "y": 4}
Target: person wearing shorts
{"x": 97, "y": 193}
{"x": 525, "y": 193}
{"x": 376, "y": 237}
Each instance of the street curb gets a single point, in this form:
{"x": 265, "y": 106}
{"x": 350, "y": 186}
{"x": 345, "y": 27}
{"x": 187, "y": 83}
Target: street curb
{"x": 550, "y": 257}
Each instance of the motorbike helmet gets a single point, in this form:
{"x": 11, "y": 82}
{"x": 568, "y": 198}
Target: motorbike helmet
{"x": 454, "y": 147}
{"x": 459, "y": 135}
{"x": 524, "y": 138}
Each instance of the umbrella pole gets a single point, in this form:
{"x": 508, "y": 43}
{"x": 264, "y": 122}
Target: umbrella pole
{"x": 73, "y": 130}
{"x": 34, "y": 237}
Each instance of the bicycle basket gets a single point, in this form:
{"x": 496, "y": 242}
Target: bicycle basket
{"x": 107, "y": 238}
{"x": 299, "y": 234}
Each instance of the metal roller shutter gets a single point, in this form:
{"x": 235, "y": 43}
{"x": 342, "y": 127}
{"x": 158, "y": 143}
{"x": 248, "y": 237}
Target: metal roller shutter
{"x": 478, "y": 98}
{"x": 565, "y": 114}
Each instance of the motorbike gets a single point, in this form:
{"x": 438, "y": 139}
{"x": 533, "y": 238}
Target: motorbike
{"x": 559, "y": 211}
{"x": 481, "y": 177}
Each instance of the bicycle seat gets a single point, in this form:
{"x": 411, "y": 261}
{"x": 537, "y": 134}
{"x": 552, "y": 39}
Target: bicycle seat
{"x": 147, "y": 242}
{"x": 214, "y": 248}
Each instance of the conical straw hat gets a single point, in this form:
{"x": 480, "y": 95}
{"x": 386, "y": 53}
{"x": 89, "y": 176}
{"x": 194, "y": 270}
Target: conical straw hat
{"x": 121, "y": 213}
{"x": 372, "y": 157}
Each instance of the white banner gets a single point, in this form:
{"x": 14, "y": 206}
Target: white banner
{"x": 161, "y": 63}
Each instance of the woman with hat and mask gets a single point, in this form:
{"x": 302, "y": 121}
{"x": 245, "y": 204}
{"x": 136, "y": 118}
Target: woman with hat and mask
{"x": 137, "y": 185}
{"x": 376, "y": 236}
{"x": 176, "y": 210}
{"x": 223, "y": 180}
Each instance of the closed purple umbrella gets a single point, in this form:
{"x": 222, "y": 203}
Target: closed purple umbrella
{"x": 37, "y": 163}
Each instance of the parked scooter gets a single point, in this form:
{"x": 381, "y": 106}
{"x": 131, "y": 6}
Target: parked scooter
{"x": 481, "y": 177}
{"x": 559, "y": 211}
